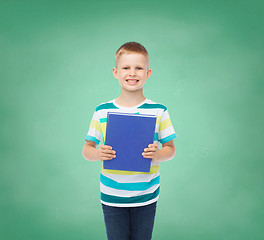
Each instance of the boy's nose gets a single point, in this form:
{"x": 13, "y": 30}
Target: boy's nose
{"x": 132, "y": 72}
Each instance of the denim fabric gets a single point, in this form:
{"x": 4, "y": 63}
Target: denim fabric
{"x": 129, "y": 223}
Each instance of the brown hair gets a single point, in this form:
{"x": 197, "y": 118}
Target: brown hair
{"x": 131, "y": 47}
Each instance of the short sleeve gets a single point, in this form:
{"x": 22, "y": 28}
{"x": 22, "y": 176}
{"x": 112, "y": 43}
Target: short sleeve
{"x": 166, "y": 130}
{"x": 94, "y": 132}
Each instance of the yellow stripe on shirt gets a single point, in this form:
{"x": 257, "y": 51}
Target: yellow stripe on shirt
{"x": 153, "y": 169}
{"x": 165, "y": 124}
{"x": 158, "y": 120}
{"x": 95, "y": 124}
{"x": 103, "y": 127}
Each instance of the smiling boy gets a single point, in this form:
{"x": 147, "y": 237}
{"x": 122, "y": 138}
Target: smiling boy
{"x": 129, "y": 198}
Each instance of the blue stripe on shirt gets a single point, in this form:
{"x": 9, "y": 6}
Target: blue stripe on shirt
{"x": 137, "y": 199}
{"x": 91, "y": 138}
{"x": 138, "y": 186}
{"x": 167, "y": 139}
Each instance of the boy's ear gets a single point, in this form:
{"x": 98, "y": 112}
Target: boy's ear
{"x": 148, "y": 73}
{"x": 115, "y": 72}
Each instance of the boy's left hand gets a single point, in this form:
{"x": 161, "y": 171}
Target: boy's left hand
{"x": 151, "y": 152}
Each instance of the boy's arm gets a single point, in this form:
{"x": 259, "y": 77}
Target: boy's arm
{"x": 167, "y": 152}
{"x": 89, "y": 151}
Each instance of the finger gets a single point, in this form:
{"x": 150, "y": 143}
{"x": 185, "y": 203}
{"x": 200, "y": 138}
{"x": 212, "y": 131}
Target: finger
{"x": 108, "y": 151}
{"x": 150, "y": 149}
{"x": 106, "y": 158}
{"x": 109, "y": 155}
{"x": 154, "y": 145}
{"x": 106, "y": 147}
{"x": 147, "y": 154}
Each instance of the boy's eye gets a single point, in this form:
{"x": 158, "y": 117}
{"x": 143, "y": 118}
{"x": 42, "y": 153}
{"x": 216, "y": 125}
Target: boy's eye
{"x": 137, "y": 68}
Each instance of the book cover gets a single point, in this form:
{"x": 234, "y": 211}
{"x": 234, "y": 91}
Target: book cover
{"x": 129, "y": 134}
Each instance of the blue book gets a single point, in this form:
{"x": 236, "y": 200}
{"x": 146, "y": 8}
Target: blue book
{"x": 129, "y": 134}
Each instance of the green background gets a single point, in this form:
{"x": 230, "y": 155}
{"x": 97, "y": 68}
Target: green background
{"x": 56, "y": 60}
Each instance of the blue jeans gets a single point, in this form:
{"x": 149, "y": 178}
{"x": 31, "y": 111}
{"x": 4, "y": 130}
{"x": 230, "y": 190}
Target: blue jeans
{"x": 129, "y": 223}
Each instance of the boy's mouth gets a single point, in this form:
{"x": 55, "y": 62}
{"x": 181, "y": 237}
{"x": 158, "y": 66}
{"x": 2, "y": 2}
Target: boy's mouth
{"x": 132, "y": 81}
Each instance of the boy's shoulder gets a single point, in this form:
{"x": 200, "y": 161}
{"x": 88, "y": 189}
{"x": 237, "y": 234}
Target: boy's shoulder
{"x": 154, "y": 104}
{"x": 105, "y": 105}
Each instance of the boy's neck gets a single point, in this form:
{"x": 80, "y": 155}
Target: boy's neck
{"x": 130, "y": 99}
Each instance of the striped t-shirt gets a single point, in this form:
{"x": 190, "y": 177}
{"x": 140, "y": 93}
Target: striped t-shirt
{"x": 127, "y": 188}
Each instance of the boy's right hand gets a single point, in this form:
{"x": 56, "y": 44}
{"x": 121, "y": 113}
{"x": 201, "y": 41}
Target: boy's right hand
{"x": 105, "y": 152}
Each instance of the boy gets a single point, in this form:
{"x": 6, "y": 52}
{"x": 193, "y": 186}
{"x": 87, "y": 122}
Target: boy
{"x": 129, "y": 198}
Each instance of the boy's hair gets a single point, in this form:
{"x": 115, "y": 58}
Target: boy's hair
{"x": 131, "y": 47}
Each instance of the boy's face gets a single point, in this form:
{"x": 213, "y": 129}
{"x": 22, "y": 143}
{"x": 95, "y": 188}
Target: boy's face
{"x": 132, "y": 71}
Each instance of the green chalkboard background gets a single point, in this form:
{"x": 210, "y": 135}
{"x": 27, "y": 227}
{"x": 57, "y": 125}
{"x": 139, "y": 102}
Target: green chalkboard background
{"x": 56, "y": 60}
